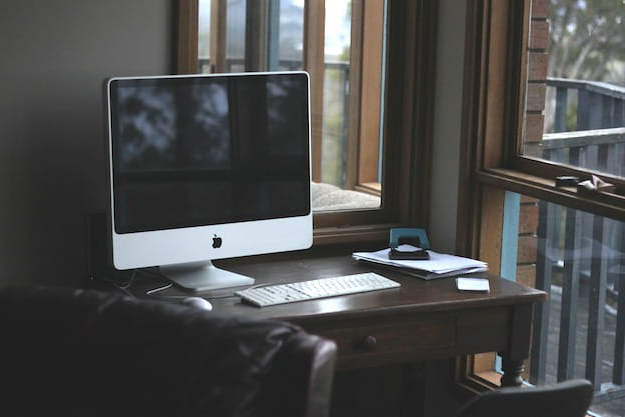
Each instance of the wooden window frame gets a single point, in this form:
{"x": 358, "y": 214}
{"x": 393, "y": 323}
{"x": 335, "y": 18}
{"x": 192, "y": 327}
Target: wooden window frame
{"x": 494, "y": 102}
{"x": 496, "y": 67}
{"x": 411, "y": 35}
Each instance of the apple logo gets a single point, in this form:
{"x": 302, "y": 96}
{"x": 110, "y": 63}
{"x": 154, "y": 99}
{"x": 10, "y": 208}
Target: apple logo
{"x": 217, "y": 242}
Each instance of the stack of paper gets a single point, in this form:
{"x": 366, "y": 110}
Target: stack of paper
{"x": 438, "y": 266}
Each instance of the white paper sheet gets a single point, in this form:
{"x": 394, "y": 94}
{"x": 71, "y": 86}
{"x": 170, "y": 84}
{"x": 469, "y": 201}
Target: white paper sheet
{"x": 439, "y": 263}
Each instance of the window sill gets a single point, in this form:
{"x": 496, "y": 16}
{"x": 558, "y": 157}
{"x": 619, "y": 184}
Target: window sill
{"x": 545, "y": 189}
{"x": 373, "y": 188}
{"x": 328, "y": 197}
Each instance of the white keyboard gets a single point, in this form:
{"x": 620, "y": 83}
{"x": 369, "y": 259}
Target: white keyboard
{"x": 316, "y": 288}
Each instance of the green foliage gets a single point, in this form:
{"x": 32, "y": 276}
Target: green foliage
{"x": 587, "y": 40}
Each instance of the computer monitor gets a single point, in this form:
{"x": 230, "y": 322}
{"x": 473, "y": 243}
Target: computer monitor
{"x": 205, "y": 167}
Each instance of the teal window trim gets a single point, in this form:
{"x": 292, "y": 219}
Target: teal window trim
{"x": 510, "y": 235}
{"x": 509, "y": 243}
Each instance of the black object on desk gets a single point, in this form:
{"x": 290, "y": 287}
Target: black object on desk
{"x": 567, "y": 181}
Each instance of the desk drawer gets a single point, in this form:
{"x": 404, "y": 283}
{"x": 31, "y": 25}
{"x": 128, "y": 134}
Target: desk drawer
{"x": 391, "y": 340}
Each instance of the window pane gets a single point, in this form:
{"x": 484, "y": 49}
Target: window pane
{"x": 576, "y": 85}
{"x": 291, "y": 35}
{"x": 279, "y": 47}
{"x": 235, "y": 35}
{"x": 348, "y": 176}
{"x": 351, "y": 157}
{"x": 579, "y": 259}
{"x": 204, "y": 35}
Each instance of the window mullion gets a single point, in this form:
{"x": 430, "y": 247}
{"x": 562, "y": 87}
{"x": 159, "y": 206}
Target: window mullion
{"x": 372, "y": 77}
{"x": 218, "y": 36}
{"x": 187, "y": 42}
{"x": 314, "y": 41}
{"x": 354, "y": 103}
{"x": 255, "y": 34}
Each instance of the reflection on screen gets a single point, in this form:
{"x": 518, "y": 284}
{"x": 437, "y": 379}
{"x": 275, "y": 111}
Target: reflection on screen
{"x": 190, "y": 151}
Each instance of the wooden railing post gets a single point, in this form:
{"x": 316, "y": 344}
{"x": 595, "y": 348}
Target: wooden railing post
{"x": 559, "y": 124}
{"x": 548, "y": 236}
{"x": 570, "y": 295}
{"x": 619, "y": 348}
{"x": 596, "y": 304}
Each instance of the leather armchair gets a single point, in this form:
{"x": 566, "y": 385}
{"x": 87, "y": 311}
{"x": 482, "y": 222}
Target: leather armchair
{"x": 90, "y": 353}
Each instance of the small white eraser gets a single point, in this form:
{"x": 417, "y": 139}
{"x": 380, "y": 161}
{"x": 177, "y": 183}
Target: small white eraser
{"x": 472, "y": 284}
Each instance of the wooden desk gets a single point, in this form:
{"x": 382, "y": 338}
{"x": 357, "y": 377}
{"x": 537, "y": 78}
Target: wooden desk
{"x": 421, "y": 320}
{"x": 385, "y": 330}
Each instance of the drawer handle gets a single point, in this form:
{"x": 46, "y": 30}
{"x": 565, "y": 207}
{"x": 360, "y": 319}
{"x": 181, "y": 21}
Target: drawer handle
{"x": 369, "y": 343}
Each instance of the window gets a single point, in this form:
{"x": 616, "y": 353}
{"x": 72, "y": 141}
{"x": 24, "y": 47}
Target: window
{"x": 543, "y": 98}
{"x": 346, "y": 63}
{"x": 580, "y": 102}
{"x": 369, "y": 151}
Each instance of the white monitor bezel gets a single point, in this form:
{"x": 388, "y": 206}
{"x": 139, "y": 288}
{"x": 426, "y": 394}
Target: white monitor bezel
{"x": 195, "y": 244}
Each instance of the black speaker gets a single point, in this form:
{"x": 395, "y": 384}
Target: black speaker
{"x": 100, "y": 259}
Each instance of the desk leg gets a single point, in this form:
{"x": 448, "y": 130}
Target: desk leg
{"x": 512, "y": 361}
{"x": 512, "y": 370}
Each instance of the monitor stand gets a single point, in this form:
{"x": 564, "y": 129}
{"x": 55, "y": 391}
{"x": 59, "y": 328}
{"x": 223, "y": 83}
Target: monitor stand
{"x": 203, "y": 276}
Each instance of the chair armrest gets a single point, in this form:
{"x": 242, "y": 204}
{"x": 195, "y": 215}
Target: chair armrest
{"x": 300, "y": 383}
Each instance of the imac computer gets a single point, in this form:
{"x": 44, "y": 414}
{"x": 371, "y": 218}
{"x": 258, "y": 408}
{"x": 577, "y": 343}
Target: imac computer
{"x": 205, "y": 167}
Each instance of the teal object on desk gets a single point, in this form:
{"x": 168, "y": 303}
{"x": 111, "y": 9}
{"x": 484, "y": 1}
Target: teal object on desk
{"x": 408, "y": 232}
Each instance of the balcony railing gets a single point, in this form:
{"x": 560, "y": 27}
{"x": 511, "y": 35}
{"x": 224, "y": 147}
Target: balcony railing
{"x": 580, "y": 256}
{"x": 599, "y": 105}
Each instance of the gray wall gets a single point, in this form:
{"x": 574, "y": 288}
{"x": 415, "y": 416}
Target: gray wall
{"x": 447, "y": 122}
{"x": 54, "y": 57}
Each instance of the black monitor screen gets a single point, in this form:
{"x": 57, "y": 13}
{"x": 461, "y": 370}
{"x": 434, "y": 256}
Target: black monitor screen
{"x": 204, "y": 150}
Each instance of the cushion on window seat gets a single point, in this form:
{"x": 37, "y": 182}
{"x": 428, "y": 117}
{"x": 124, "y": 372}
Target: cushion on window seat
{"x": 327, "y": 197}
